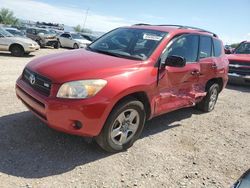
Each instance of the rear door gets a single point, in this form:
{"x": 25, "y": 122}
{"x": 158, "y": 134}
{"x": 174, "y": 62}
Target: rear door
{"x": 206, "y": 61}
{"x": 67, "y": 41}
{"x": 177, "y": 85}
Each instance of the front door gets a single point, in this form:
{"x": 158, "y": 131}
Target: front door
{"x": 178, "y": 85}
{"x": 4, "y": 43}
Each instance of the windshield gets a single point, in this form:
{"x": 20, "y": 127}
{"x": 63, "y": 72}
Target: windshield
{"x": 129, "y": 43}
{"x": 5, "y": 33}
{"x": 46, "y": 32}
{"x": 76, "y": 36}
{"x": 89, "y": 37}
{"x": 15, "y": 32}
{"x": 243, "y": 48}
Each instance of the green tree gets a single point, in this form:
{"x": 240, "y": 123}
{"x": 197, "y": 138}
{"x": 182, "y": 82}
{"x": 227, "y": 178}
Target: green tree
{"x": 7, "y": 17}
{"x": 79, "y": 29}
{"x": 234, "y": 45}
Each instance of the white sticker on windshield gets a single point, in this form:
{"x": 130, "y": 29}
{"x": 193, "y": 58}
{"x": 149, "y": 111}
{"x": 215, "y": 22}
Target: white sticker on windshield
{"x": 151, "y": 37}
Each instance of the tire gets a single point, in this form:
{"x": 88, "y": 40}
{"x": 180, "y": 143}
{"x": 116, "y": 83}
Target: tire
{"x": 208, "y": 102}
{"x": 39, "y": 43}
{"x": 17, "y": 50}
{"x": 57, "y": 45}
{"x": 75, "y": 46}
{"x": 26, "y": 53}
{"x": 123, "y": 126}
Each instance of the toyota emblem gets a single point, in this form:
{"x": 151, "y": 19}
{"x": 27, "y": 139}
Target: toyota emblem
{"x": 32, "y": 79}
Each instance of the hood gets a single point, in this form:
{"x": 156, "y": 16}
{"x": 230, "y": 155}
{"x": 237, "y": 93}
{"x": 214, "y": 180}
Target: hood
{"x": 23, "y": 40}
{"x": 239, "y": 57}
{"x": 47, "y": 35}
{"x": 83, "y": 41}
{"x": 81, "y": 64}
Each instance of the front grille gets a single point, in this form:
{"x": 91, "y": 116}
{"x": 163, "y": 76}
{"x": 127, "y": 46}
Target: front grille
{"x": 239, "y": 67}
{"x": 242, "y": 63}
{"x": 37, "y": 82}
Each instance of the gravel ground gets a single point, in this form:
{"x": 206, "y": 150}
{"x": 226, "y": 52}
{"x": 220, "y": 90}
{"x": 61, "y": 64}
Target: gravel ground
{"x": 181, "y": 149}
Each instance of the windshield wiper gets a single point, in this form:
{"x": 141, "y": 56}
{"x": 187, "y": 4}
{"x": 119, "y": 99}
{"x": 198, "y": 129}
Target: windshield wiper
{"x": 113, "y": 54}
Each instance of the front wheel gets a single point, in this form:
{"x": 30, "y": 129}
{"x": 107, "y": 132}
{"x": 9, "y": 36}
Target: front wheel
{"x": 17, "y": 50}
{"x": 57, "y": 45}
{"x": 75, "y": 46}
{"x": 123, "y": 126}
{"x": 208, "y": 102}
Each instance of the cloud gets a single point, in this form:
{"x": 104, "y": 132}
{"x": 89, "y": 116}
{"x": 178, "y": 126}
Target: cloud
{"x": 39, "y": 11}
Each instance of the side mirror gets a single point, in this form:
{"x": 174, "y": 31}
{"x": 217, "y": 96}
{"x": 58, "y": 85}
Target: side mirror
{"x": 243, "y": 181}
{"x": 175, "y": 61}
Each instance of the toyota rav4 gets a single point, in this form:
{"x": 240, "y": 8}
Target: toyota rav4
{"x": 124, "y": 78}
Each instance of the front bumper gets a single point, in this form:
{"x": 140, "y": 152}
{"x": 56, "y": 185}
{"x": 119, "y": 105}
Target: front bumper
{"x": 49, "y": 42}
{"x": 238, "y": 79}
{"x": 82, "y": 45}
{"x": 61, "y": 114}
{"x": 32, "y": 48}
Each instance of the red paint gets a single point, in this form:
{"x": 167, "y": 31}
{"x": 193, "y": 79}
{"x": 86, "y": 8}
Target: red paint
{"x": 177, "y": 88}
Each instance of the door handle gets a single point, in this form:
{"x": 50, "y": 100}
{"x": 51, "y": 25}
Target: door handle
{"x": 195, "y": 73}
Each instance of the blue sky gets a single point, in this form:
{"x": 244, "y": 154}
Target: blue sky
{"x": 230, "y": 19}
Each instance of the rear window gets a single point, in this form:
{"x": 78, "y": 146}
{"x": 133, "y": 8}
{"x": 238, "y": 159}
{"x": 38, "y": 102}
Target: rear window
{"x": 217, "y": 48}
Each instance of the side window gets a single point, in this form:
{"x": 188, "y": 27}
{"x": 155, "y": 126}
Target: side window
{"x": 205, "y": 47}
{"x": 67, "y": 36}
{"x": 185, "y": 46}
{"x": 217, "y": 48}
{"x": 63, "y": 35}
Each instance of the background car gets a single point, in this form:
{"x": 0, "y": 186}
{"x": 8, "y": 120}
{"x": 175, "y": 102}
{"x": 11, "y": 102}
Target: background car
{"x": 43, "y": 37}
{"x": 239, "y": 64}
{"x": 228, "y": 49}
{"x": 89, "y": 36}
{"x": 18, "y": 46}
{"x": 72, "y": 40}
{"x": 15, "y": 32}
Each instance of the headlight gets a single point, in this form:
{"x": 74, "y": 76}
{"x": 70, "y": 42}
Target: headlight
{"x": 81, "y": 89}
{"x": 30, "y": 44}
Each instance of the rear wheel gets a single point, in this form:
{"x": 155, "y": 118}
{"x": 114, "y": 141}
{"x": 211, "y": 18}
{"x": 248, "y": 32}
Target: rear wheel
{"x": 75, "y": 46}
{"x": 123, "y": 126}
{"x": 17, "y": 50}
{"x": 208, "y": 102}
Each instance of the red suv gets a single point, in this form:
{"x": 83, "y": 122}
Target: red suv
{"x": 239, "y": 64}
{"x": 124, "y": 78}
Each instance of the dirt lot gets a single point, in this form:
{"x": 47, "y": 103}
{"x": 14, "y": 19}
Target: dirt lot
{"x": 181, "y": 149}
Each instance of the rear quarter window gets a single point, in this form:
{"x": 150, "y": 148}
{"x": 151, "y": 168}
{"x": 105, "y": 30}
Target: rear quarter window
{"x": 217, "y": 47}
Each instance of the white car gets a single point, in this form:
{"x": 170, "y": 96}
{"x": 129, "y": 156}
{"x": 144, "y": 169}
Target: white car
{"x": 18, "y": 46}
{"x": 72, "y": 40}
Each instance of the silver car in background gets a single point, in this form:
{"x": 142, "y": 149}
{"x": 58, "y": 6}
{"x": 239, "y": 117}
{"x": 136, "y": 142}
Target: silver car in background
{"x": 72, "y": 40}
{"x": 18, "y": 46}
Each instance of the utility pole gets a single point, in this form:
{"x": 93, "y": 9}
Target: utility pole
{"x": 86, "y": 15}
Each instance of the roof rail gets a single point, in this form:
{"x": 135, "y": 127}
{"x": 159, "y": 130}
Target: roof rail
{"x": 190, "y": 27}
{"x": 181, "y": 27}
{"x": 140, "y": 24}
